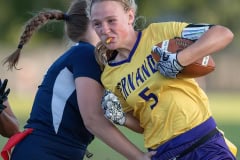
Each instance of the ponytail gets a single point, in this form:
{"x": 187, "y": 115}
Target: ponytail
{"x": 76, "y": 25}
{"x": 32, "y": 25}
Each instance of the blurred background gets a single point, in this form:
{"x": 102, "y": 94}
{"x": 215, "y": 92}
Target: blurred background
{"x": 222, "y": 86}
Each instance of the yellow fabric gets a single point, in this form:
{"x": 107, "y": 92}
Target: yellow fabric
{"x": 230, "y": 145}
{"x": 164, "y": 107}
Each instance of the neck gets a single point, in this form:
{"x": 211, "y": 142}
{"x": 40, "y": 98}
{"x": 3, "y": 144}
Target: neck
{"x": 123, "y": 53}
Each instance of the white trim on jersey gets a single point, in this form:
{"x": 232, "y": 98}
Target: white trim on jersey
{"x": 61, "y": 95}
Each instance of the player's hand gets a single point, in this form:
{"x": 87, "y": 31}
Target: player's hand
{"x": 147, "y": 155}
{"x": 3, "y": 94}
{"x": 168, "y": 64}
{"x": 112, "y": 108}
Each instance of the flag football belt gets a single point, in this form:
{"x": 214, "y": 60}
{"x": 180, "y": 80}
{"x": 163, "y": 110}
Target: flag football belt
{"x": 196, "y": 144}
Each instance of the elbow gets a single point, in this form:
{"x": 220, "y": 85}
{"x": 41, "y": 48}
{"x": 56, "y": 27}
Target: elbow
{"x": 226, "y": 33}
{"x": 229, "y": 35}
{"x": 97, "y": 124}
{"x": 10, "y": 128}
{"x": 91, "y": 123}
{"x": 10, "y": 132}
{"x": 14, "y": 130}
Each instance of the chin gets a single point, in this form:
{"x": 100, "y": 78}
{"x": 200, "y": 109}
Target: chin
{"x": 111, "y": 46}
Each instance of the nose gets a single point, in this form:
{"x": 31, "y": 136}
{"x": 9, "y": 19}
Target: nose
{"x": 105, "y": 28}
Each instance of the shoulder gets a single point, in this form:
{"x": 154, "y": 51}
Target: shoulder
{"x": 166, "y": 25}
{"x": 82, "y": 49}
{"x": 164, "y": 30}
{"x": 79, "y": 53}
{"x": 82, "y": 61}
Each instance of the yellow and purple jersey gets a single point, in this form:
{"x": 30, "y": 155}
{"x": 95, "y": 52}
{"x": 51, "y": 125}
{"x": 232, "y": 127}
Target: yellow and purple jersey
{"x": 164, "y": 107}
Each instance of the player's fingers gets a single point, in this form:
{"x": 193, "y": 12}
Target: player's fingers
{"x": 4, "y": 84}
{"x": 5, "y": 94}
{"x": 150, "y": 154}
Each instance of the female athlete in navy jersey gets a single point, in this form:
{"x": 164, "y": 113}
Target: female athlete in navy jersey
{"x": 66, "y": 113}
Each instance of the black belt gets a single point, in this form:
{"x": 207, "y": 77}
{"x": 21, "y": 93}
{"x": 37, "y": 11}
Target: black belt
{"x": 196, "y": 144}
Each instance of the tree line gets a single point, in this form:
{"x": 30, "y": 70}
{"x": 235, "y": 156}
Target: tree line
{"x": 14, "y": 14}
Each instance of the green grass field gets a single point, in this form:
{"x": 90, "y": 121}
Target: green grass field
{"x": 225, "y": 108}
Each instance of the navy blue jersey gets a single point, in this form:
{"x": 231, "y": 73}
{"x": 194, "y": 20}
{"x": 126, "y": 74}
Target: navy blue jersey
{"x": 55, "y": 113}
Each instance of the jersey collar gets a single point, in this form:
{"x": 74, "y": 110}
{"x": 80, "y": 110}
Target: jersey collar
{"x": 130, "y": 54}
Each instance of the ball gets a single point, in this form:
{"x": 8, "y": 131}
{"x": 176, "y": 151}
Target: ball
{"x": 201, "y": 67}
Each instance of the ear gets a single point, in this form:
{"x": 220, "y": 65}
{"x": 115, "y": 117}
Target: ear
{"x": 131, "y": 15}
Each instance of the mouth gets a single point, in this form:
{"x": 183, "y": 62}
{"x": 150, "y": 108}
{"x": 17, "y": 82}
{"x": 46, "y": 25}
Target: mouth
{"x": 108, "y": 40}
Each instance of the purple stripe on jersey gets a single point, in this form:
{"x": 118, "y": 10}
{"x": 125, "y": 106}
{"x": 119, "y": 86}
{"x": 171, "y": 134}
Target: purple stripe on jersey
{"x": 188, "y": 136}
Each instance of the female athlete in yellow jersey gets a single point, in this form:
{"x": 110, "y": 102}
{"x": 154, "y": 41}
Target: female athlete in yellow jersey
{"x": 174, "y": 113}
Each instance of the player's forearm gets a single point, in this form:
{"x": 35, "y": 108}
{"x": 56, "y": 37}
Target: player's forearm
{"x": 109, "y": 134}
{"x": 8, "y": 125}
{"x": 215, "y": 39}
{"x": 132, "y": 123}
